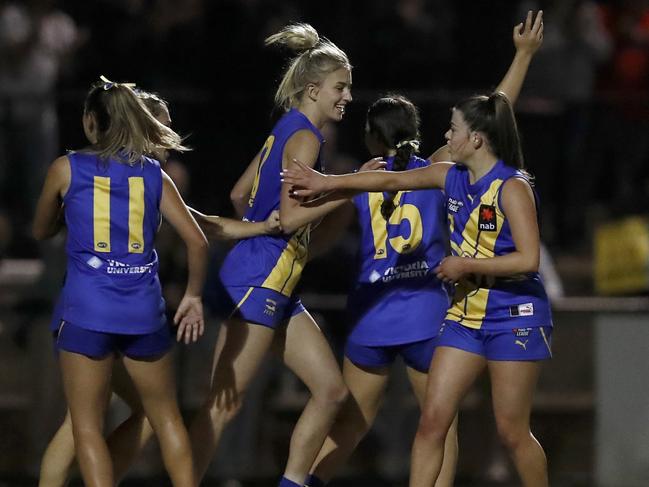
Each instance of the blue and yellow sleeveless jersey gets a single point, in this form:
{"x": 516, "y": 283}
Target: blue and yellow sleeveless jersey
{"x": 271, "y": 261}
{"x": 397, "y": 298}
{"x": 479, "y": 229}
{"x": 112, "y": 215}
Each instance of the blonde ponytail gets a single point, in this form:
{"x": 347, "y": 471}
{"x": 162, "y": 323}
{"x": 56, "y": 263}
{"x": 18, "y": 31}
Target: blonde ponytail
{"x": 297, "y": 37}
{"x": 127, "y": 130}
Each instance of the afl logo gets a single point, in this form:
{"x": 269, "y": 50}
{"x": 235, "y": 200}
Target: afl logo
{"x": 136, "y": 246}
{"x": 102, "y": 245}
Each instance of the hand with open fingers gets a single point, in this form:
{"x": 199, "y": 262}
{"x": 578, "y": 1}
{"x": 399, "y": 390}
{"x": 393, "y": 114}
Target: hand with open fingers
{"x": 451, "y": 269}
{"x": 528, "y": 36}
{"x": 189, "y": 319}
{"x": 374, "y": 164}
{"x": 272, "y": 224}
{"x": 304, "y": 180}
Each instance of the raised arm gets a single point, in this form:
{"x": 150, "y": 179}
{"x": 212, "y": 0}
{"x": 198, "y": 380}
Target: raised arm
{"x": 48, "y": 218}
{"x": 189, "y": 316}
{"x": 520, "y": 209}
{"x": 527, "y": 37}
{"x": 221, "y": 228}
{"x": 306, "y": 182}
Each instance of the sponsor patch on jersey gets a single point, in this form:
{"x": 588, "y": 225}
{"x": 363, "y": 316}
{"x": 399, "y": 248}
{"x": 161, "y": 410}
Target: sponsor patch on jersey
{"x": 94, "y": 262}
{"x": 526, "y": 309}
{"x": 454, "y": 205}
{"x": 487, "y": 218}
{"x": 406, "y": 271}
{"x": 522, "y": 332}
{"x": 117, "y": 267}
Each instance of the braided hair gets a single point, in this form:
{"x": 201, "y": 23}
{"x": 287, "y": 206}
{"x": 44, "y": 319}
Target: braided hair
{"x": 394, "y": 121}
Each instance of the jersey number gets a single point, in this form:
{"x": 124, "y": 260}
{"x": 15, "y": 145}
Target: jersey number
{"x": 265, "y": 152}
{"x": 101, "y": 214}
{"x": 400, "y": 244}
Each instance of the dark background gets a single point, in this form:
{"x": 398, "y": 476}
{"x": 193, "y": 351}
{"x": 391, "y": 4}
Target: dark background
{"x": 583, "y": 117}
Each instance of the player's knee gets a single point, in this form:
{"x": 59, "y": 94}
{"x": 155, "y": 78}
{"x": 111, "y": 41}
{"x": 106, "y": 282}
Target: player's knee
{"x": 511, "y": 433}
{"x": 339, "y": 394}
{"x": 333, "y": 394}
{"x": 434, "y": 425}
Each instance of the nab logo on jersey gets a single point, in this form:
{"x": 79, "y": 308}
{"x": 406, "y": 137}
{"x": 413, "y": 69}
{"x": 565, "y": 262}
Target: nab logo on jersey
{"x": 487, "y": 218}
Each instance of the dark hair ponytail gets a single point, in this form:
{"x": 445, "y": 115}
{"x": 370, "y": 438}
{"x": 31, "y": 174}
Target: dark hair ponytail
{"x": 394, "y": 121}
{"x": 405, "y": 150}
{"x": 494, "y": 117}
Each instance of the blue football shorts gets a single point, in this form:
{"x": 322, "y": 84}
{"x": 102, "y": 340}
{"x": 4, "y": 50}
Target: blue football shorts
{"x": 416, "y": 355}
{"x": 97, "y": 344}
{"x": 263, "y": 306}
{"x": 524, "y": 344}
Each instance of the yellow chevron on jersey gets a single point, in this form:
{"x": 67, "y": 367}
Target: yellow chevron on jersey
{"x": 286, "y": 273}
{"x": 470, "y": 302}
{"x": 271, "y": 261}
{"x": 479, "y": 229}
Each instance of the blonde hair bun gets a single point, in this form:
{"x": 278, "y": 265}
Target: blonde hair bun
{"x": 297, "y": 37}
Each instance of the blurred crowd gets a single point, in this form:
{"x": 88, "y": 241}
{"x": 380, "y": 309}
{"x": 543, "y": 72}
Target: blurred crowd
{"x": 584, "y": 109}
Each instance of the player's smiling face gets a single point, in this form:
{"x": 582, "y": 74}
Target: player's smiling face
{"x": 334, "y": 93}
{"x": 458, "y": 138}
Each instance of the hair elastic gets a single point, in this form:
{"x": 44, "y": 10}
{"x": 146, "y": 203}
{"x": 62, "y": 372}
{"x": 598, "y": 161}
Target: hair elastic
{"x": 414, "y": 143}
{"x": 108, "y": 84}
